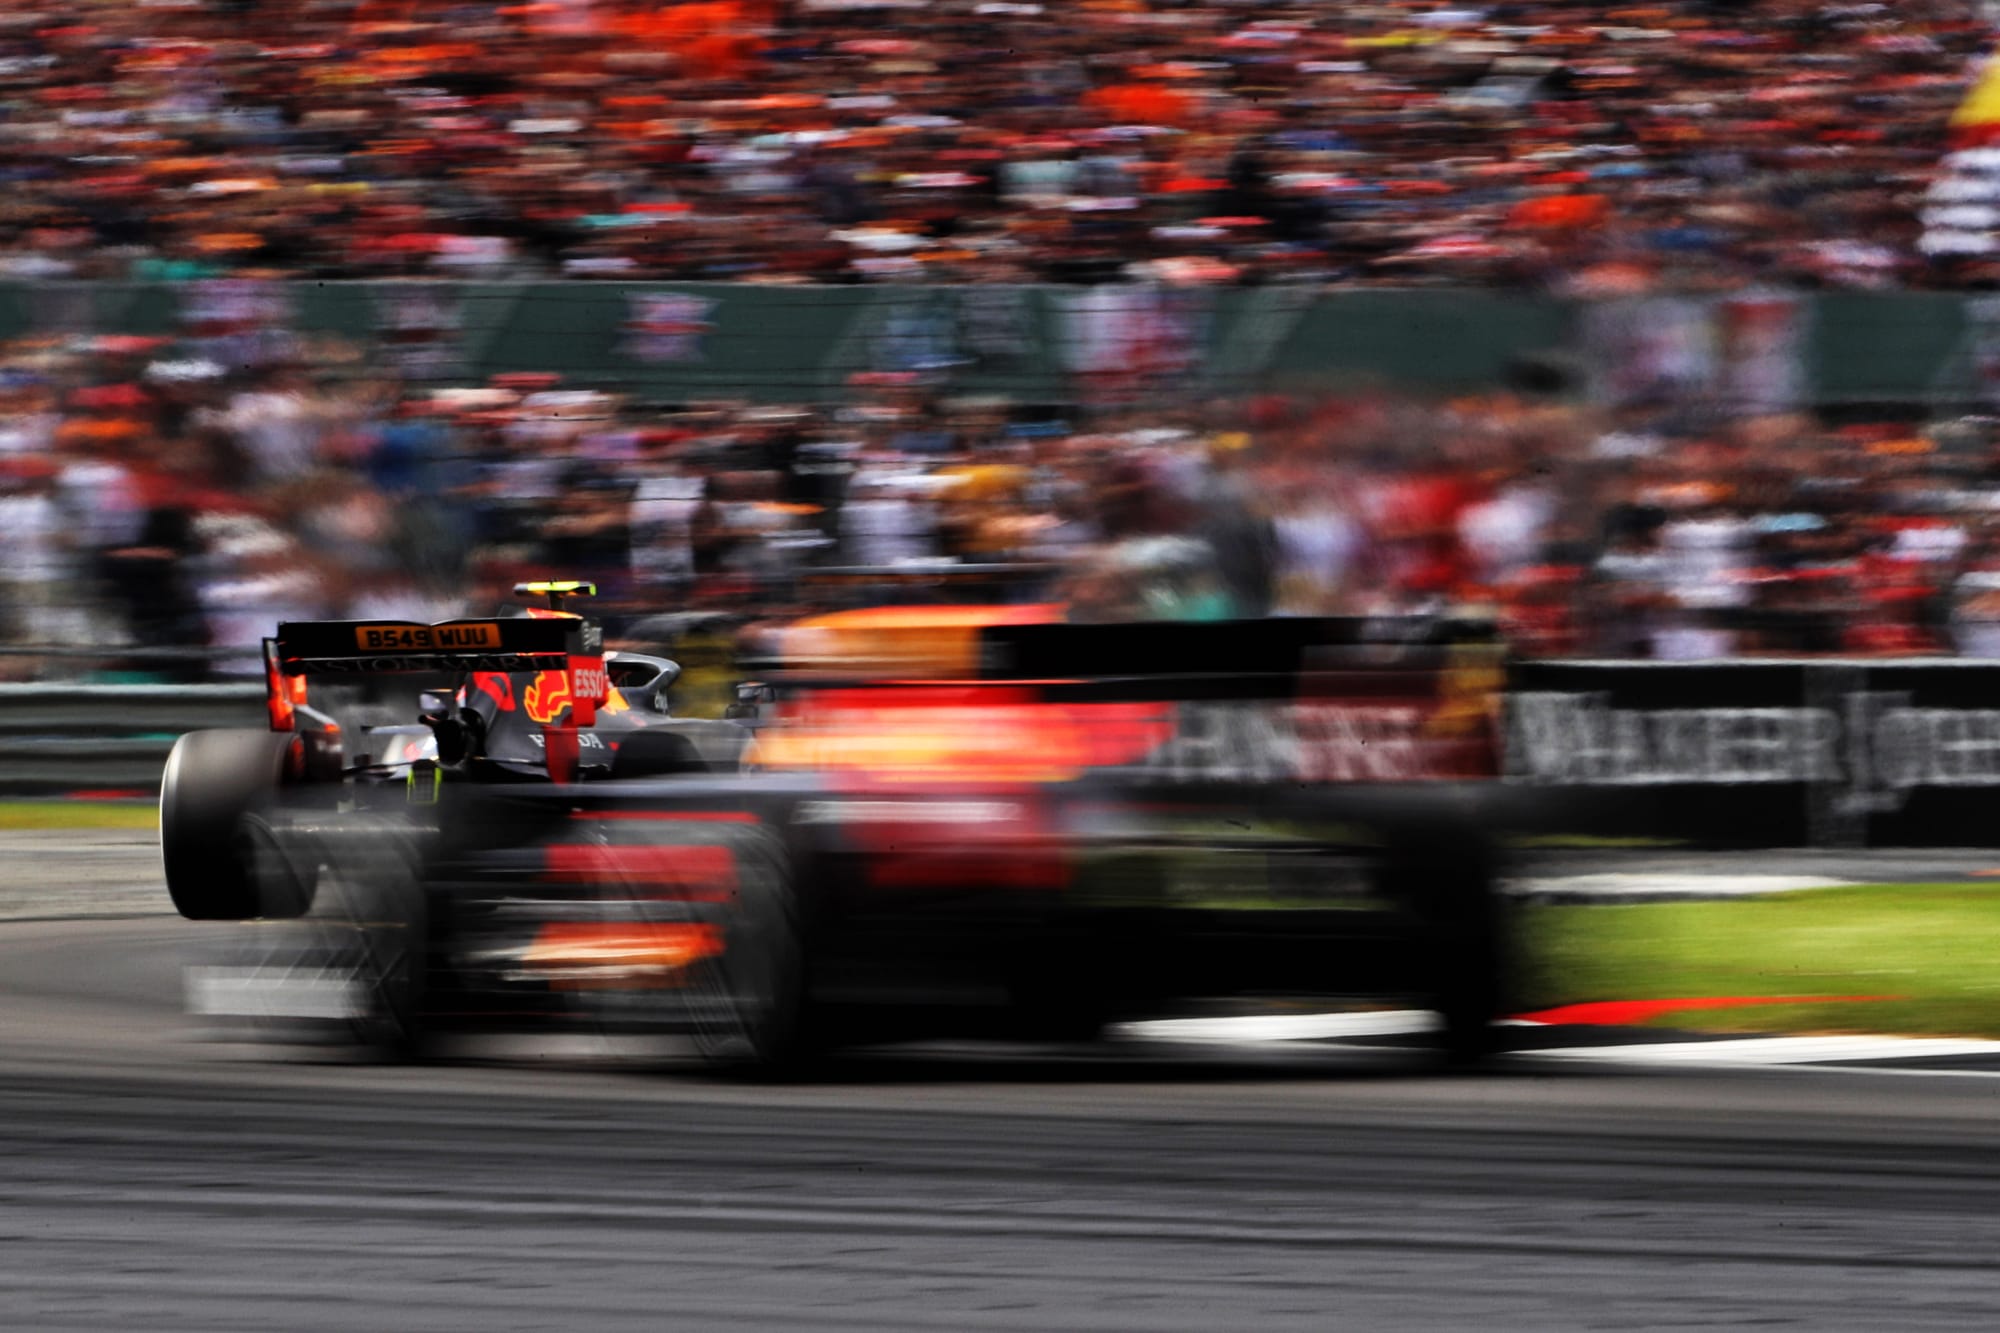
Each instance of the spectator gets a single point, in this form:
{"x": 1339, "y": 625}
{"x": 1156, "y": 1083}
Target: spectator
{"x": 37, "y": 570}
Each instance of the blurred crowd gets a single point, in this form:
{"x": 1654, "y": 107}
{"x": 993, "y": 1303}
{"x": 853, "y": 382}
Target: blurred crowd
{"x": 163, "y": 503}
{"x": 1660, "y": 144}
{"x": 151, "y": 500}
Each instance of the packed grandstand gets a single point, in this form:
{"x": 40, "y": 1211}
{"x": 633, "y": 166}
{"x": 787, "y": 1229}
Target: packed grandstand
{"x": 1577, "y": 145}
{"x": 186, "y": 490}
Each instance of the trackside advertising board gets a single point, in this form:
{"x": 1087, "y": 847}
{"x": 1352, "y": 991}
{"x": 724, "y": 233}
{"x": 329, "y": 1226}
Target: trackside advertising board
{"x": 1819, "y": 752}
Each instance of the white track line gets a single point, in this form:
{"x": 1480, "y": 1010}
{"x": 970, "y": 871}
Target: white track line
{"x": 1653, "y": 885}
{"x": 1257, "y": 1029}
{"x": 1777, "y": 1050}
{"x": 1852, "y": 1054}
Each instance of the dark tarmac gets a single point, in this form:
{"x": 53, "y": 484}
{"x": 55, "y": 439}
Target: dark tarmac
{"x": 150, "y": 1180}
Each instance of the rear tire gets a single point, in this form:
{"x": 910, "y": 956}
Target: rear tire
{"x": 1447, "y": 875}
{"x": 212, "y": 779}
{"x": 755, "y": 993}
{"x": 1067, "y": 997}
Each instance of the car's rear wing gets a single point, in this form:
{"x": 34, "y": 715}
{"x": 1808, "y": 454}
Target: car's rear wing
{"x": 1031, "y": 643}
{"x": 380, "y": 647}
{"x": 1279, "y": 648}
{"x": 1008, "y": 694}
{"x": 547, "y": 642}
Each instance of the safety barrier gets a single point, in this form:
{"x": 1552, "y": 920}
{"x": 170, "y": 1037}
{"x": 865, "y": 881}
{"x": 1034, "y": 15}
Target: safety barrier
{"x": 58, "y": 737}
{"x": 1824, "y": 752}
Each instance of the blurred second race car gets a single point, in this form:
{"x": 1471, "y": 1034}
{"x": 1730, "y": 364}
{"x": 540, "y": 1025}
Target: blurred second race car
{"x": 921, "y": 821}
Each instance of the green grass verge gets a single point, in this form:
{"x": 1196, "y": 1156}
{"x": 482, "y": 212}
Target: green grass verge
{"x": 78, "y": 814}
{"x": 1936, "y": 947}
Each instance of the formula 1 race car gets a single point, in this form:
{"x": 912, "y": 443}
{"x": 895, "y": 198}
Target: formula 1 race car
{"x": 966, "y": 821}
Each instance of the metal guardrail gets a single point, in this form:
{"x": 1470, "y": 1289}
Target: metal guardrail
{"x": 118, "y": 653}
{"x": 60, "y": 736}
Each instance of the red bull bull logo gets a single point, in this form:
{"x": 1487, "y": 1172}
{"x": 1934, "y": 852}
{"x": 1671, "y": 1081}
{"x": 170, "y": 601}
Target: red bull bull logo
{"x": 547, "y": 696}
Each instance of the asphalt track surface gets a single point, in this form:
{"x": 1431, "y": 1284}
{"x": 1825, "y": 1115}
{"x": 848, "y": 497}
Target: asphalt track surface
{"x": 149, "y": 1180}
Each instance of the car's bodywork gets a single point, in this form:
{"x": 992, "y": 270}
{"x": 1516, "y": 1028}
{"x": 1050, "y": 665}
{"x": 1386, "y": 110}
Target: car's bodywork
{"x": 949, "y": 821}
